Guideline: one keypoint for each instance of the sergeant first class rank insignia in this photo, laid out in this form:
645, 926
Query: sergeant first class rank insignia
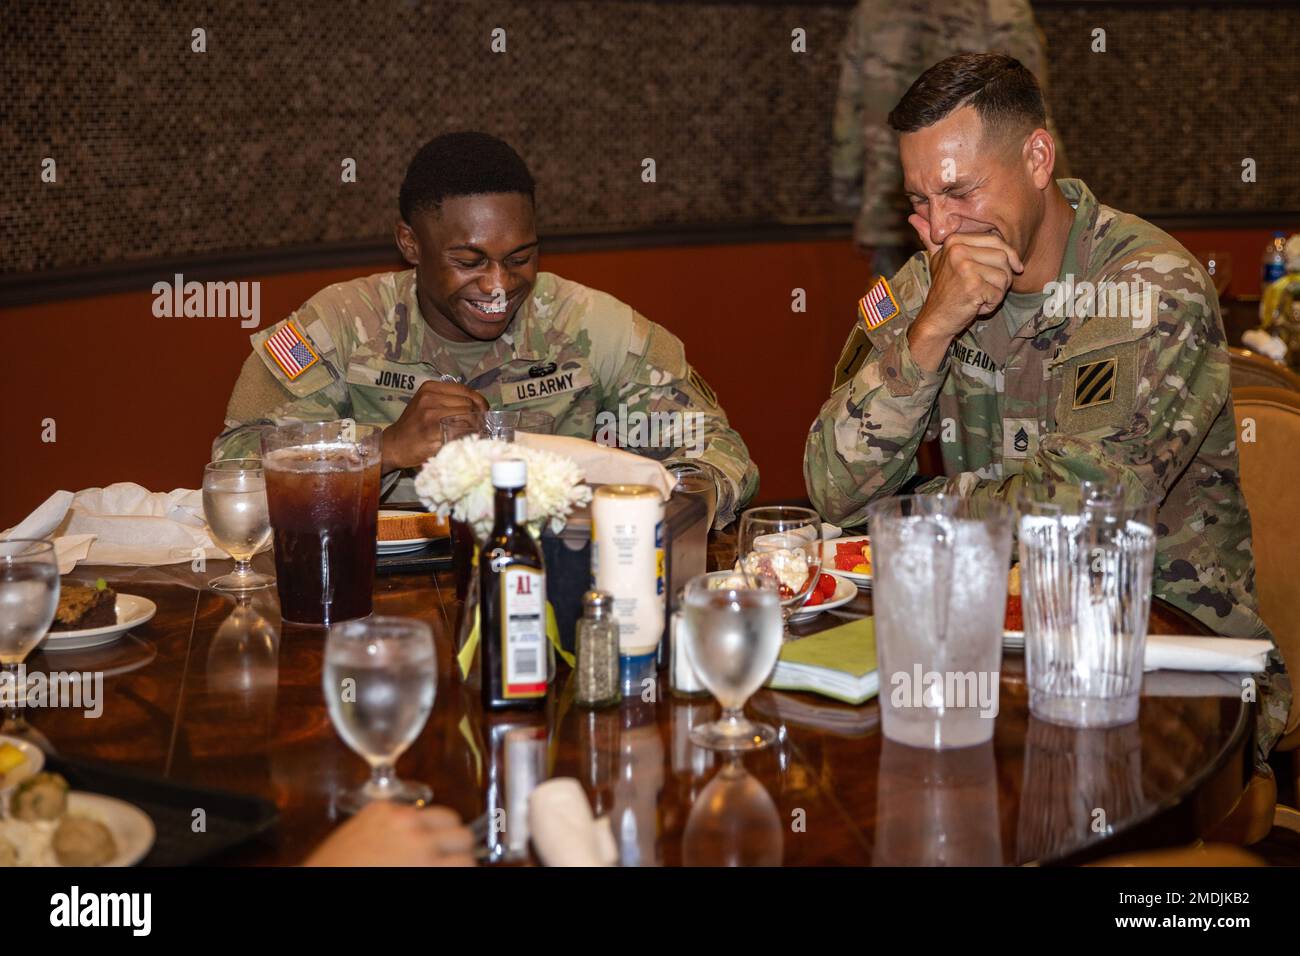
878, 306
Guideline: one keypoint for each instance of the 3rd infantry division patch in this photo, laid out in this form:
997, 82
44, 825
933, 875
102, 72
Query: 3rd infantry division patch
1094, 383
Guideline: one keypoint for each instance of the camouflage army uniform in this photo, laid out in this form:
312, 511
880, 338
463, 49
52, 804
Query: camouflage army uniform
889, 44
1016, 402
570, 351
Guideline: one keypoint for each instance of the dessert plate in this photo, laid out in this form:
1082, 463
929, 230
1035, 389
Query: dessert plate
132, 611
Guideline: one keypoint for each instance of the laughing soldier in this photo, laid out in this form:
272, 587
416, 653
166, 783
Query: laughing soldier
970, 342
473, 325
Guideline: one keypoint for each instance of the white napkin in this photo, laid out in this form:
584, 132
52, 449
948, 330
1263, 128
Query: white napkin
602, 465
68, 549
1222, 654
564, 833
123, 523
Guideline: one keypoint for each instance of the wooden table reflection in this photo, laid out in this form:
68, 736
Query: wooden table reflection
215, 693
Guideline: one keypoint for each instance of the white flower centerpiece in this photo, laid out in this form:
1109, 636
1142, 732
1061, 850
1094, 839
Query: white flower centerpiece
457, 483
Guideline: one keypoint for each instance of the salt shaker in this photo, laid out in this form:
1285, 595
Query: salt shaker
597, 657
682, 679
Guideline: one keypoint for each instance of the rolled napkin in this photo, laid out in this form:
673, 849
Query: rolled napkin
1220, 654
602, 465
122, 523
562, 827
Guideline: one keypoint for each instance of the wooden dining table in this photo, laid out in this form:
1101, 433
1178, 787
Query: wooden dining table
216, 693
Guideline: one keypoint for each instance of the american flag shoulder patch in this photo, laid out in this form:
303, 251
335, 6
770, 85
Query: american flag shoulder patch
878, 306
291, 350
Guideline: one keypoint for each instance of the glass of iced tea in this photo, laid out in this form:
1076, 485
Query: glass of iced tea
322, 490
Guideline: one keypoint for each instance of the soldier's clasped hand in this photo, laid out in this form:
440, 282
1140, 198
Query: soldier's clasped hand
971, 274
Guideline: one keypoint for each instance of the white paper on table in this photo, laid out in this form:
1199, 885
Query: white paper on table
1234, 655
562, 827
123, 523
602, 465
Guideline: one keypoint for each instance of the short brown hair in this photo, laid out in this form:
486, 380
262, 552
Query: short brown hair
1002, 90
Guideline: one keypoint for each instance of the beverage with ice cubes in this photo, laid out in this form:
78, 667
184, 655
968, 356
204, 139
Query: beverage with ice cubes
939, 596
322, 489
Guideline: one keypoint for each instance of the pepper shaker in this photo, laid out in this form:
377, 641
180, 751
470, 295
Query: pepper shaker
597, 652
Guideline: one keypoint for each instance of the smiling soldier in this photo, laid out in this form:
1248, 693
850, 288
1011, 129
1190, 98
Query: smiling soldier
473, 325
970, 342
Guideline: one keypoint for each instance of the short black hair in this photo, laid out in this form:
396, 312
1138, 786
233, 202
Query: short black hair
1003, 91
464, 163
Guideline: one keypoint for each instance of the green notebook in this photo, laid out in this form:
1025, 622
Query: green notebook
839, 663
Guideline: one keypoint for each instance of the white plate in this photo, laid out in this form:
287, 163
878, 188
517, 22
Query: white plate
402, 547
845, 591
1013, 639
131, 827
132, 611
828, 559
133, 831
35, 761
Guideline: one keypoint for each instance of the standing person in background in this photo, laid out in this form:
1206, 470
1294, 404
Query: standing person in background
889, 43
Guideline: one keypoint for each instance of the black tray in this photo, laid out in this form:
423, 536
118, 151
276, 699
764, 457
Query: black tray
232, 818
434, 556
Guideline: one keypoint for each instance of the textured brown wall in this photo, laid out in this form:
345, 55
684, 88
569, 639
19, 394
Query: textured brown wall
165, 152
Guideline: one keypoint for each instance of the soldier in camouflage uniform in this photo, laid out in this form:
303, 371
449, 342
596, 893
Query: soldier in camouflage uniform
888, 44
474, 326
1037, 381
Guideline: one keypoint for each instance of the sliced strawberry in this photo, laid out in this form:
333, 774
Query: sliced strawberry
849, 547
826, 586
846, 562
815, 597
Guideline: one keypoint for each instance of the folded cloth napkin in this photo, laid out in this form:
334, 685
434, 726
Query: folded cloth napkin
602, 465
1222, 654
123, 523
563, 831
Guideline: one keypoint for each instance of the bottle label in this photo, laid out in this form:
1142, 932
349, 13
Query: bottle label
523, 632
628, 561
